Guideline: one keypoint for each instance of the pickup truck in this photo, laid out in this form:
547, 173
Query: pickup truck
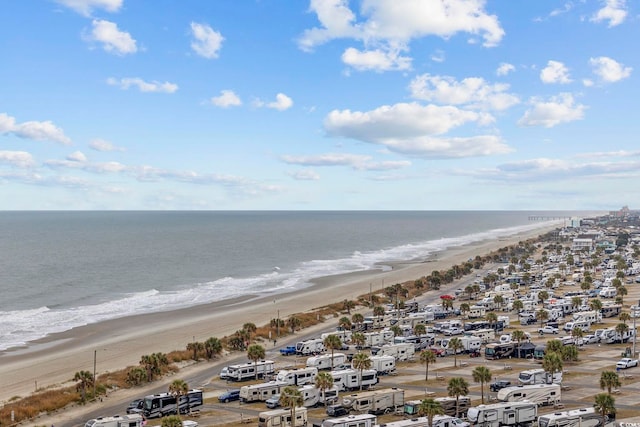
289, 350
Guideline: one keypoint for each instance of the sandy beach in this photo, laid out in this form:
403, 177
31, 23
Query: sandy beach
120, 343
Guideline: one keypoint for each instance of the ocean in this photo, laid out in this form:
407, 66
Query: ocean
60, 270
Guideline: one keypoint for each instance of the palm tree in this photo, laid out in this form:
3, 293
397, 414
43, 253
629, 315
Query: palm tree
344, 323
542, 315
85, 379
481, 374
552, 363
498, 300
294, 323
378, 311
455, 344
323, 382
419, 329
595, 304
554, 346
178, 388
518, 335
212, 347
625, 317
609, 380
464, 308
358, 339
250, 328
604, 404
196, 347
491, 317
430, 408
518, 305
291, 398
361, 361
348, 305
332, 342
621, 329
576, 333
457, 387
427, 357
172, 421
396, 330
357, 319
255, 352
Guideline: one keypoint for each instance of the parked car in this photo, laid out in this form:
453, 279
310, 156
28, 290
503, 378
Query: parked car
135, 406
274, 401
626, 362
548, 330
342, 367
590, 339
499, 385
337, 411
453, 331
224, 373
229, 395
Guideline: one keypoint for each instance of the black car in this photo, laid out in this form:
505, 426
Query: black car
499, 385
229, 395
135, 406
337, 411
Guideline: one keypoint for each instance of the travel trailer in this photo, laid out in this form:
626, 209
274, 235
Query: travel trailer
584, 417
299, 376
591, 316
326, 361
438, 421
448, 404
608, 292
401, 352
503, 414
611, 310
345, 336
131, 420
470, 344
383, 364
159, 405
312, 346
378, 338
261, 392
349, 379
282, 418
539, 376
485, 335
247, 371
476, 312
375, 402
540, 394
360, 420
582, 324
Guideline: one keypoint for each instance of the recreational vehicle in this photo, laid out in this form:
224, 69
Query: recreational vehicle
539, 376
383, 364
326, 361
503, 414
401, 352
247, 371
345, 336
375, 402
611, 310
131, 420
312, 346
448, 404
349, 379
261, 392
541, 394
591, 316
485, 335
499, 350
159, 405
584, 417
361, 420
282, 418
438, 421
299, 376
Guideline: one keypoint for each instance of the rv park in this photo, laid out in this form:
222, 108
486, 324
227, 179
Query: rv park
552, 280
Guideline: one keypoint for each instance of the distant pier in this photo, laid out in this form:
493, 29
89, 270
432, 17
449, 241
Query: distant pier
547, 218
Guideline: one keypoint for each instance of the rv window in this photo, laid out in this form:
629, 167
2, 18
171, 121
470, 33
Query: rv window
517, 394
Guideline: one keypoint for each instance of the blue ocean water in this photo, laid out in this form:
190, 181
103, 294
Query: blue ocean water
60, 270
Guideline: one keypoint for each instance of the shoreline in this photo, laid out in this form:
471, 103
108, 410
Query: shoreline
119, 343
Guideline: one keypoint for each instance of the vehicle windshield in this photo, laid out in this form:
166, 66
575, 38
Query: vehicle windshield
472, 415
524, 376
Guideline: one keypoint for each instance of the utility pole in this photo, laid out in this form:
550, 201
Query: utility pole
278, 325
95, 355
635, 314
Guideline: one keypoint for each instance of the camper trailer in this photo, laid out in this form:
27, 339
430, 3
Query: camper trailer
131, 420
282, 418
345, 336
485, 335
611, 310
476, 312
361, 420
383, 364
349, 379
326, 361
312, 346
539, 376
247, 371
261, 392
591, 316
438, 421
376, 402
503, 414
540, 394
401, 352
299, 376
584, 417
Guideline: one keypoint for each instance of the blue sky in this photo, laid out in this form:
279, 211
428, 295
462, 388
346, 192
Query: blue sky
320, 104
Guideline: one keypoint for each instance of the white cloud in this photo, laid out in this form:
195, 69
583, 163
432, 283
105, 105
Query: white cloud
113, 40
555, 72
557, 110
207, 42
410, 128
305, 175
105, 146
20, 159
438, 56
609, 70
587, 82
377, 60
504, 68
38, 131
474, 92
86, 7
355, 161
143, 86
77, 156
227, 98
613, 11
282, 102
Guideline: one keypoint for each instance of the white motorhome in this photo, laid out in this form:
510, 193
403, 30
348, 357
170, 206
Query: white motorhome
608, 292
506, 321
401, 352
260, 392
476, 312
349, 379
299, 376
540, 394
438, 421
470, 344
310, 395
282, 418
345, 336
611, 310
583, 325
377, 338
130, 420
485, 335
539, 376
247, 371
326, 361
312, 346
360, 420
383, 364
503, 414
583, 417
591, 316
376, 402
